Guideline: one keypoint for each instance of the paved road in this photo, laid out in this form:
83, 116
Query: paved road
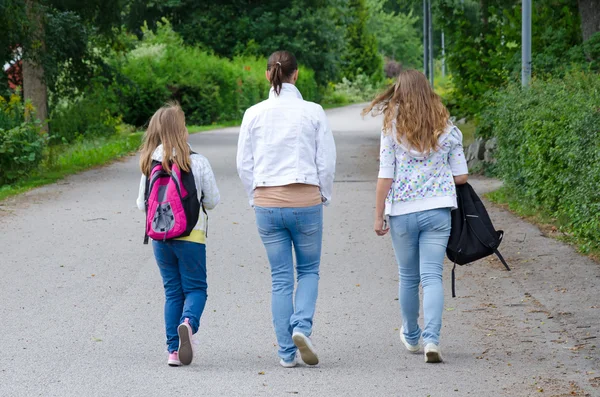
81, 298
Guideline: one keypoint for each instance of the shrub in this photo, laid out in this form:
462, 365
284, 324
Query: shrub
549, 148
359, 90
21, 142
392, 68
91, 115
209, 88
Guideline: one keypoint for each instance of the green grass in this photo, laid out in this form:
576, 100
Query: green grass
64, 160
549, 225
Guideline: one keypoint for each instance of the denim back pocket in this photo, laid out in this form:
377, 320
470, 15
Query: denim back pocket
264, 220
309, 220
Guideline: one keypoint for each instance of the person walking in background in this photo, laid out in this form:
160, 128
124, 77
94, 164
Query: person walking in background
286, 161
421, 160
167, 156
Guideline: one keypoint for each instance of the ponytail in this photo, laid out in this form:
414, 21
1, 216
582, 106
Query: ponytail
281, 66
276, 77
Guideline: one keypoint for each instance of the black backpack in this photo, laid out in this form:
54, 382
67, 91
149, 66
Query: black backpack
472, 236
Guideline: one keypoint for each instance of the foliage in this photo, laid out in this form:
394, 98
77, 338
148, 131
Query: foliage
549, 149
361, 55
397, 37
94, 113
483, 44
361, 89
61, 39
308, 28
211, 89
21, 141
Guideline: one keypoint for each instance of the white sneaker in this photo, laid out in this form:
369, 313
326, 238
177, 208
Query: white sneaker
433, 353
305, 346
288, 364
409, 347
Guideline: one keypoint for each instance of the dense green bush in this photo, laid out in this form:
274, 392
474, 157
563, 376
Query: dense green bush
361, 89
210, 89
549, 148
21, 142
93, 114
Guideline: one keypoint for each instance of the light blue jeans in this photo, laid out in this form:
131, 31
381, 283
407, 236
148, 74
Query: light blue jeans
280, 229
420, 241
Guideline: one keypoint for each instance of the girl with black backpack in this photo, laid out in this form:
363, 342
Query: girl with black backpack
421, 160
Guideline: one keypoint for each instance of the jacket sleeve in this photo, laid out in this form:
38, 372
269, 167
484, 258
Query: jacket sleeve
205, 182
456, 156
141, 193
325, 157
245, 157
387, 156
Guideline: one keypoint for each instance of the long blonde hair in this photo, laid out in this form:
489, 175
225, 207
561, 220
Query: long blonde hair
418, 112
166, 127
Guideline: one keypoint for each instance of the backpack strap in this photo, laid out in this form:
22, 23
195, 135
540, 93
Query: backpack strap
501, 259
484, 236
205, 213
454, 281
146, 194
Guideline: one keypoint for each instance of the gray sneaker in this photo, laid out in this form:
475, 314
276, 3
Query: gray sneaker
409, 347
306, 348
433, 354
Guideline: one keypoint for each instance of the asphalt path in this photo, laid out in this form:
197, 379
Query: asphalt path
81, 299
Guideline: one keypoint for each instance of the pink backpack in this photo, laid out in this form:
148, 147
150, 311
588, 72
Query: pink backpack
172, 205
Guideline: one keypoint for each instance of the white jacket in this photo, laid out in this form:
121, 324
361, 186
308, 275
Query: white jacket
285, 140
205, 184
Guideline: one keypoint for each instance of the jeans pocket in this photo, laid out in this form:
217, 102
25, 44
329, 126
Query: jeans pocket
439, 219
264, 220
310, 220
399, 224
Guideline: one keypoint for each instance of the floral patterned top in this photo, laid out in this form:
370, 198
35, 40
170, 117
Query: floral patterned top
422, 181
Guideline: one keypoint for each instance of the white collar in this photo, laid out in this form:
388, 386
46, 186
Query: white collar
287, 89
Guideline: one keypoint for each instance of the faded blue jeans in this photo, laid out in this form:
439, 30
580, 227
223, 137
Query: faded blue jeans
182, 266
420, 241
280, 229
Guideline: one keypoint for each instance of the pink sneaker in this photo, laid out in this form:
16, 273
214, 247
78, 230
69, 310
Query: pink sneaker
174, 360
186, 351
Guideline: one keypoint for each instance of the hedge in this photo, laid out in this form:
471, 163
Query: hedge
210, 89
549, 149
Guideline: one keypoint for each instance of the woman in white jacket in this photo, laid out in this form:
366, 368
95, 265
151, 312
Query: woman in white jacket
286, 161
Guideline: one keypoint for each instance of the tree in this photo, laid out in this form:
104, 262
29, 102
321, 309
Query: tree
311, 29
361, 55
56, 38
590, 17
483, 43
397, 36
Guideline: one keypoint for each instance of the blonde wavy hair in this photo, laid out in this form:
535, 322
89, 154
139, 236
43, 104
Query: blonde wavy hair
419, 115
166, 127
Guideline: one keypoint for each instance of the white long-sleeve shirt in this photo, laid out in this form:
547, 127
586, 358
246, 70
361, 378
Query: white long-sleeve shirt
422, 181
206, 185
285, 140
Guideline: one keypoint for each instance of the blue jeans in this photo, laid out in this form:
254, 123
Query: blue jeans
420, 241
279, 229
182, 266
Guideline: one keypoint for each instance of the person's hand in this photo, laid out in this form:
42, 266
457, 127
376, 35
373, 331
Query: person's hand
381, 227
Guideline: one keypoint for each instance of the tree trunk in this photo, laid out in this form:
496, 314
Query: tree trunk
34, 90
34, 83
589, 10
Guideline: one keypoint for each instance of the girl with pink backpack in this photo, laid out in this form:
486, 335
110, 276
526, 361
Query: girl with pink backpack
176, 187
